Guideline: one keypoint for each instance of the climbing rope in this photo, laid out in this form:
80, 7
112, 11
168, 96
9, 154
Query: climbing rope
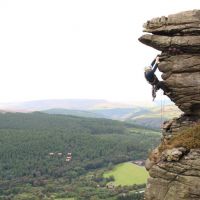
161, 113
162, 110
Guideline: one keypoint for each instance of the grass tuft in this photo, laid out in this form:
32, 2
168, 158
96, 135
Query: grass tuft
188, 138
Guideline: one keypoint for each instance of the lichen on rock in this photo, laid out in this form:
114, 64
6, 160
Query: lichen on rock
174, 166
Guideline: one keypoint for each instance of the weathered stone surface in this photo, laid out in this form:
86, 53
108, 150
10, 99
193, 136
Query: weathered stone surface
180, 63
175, 173
148, 164
172, 127
178, 37
173, 154
185, 44
176, 24
175, 180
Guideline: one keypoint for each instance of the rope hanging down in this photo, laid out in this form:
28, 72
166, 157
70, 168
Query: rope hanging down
162, 110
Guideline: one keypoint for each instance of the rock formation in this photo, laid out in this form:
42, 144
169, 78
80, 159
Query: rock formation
175, 169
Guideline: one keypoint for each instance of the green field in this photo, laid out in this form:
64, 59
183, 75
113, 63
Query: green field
128, 174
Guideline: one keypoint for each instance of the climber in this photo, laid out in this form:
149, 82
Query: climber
152, 78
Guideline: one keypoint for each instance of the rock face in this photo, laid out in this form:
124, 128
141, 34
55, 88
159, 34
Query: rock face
175, 180
175, 173
178, 37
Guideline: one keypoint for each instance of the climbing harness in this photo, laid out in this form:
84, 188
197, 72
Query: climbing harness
154, 88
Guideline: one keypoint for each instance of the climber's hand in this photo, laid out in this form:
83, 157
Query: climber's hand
157, 60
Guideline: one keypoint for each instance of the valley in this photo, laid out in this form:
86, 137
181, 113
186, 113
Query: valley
33, 154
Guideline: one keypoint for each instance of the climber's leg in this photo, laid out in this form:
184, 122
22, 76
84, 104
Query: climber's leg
153, 92
161, 85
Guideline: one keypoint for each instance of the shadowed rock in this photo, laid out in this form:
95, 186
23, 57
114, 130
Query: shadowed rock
186, 44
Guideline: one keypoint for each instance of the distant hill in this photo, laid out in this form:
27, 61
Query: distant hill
146, 115
122, 113
155, 117
109, 113
42, 121
79, 113
150, 117
80, 104
73, 104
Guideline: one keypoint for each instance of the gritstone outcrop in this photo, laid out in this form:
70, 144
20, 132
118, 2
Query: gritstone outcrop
174, 166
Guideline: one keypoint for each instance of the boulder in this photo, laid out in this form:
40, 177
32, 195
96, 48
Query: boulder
173, 154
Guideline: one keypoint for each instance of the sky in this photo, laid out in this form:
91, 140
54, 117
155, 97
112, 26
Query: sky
85, 49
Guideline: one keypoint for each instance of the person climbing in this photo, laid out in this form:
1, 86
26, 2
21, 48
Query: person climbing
152, 78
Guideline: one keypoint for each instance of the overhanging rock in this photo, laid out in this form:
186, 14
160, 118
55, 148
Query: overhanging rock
178, 37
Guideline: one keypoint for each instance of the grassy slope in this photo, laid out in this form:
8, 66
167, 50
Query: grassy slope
128, 174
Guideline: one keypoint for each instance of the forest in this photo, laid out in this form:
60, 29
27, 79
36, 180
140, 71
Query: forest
34, 147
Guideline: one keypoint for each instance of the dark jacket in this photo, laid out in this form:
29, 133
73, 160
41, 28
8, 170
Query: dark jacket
150, 75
